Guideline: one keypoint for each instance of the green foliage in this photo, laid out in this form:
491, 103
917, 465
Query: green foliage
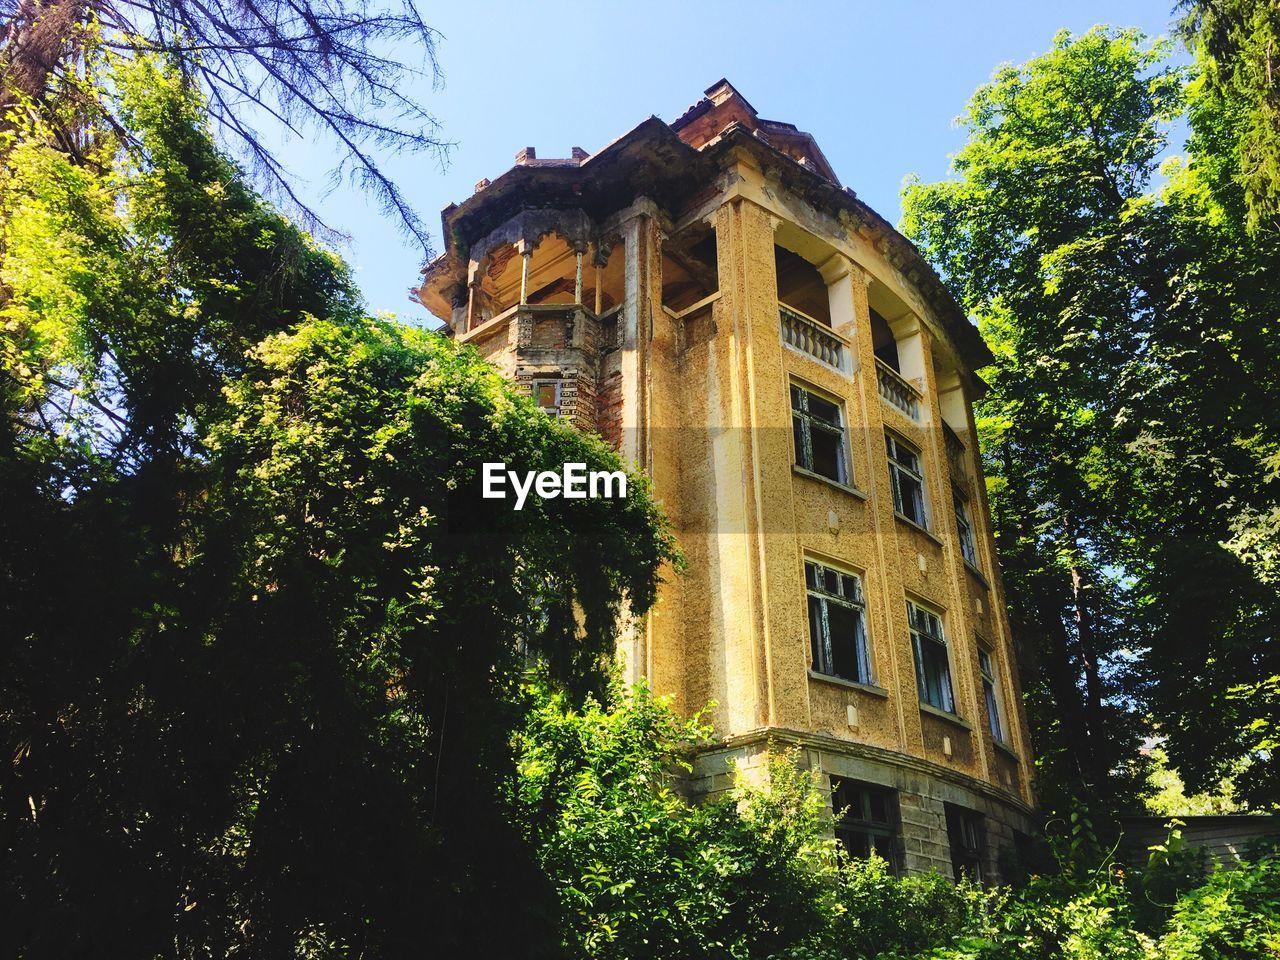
1235, 915
1237, 43
259, 636
1167, 796
879, 914
1127, 433
639, 871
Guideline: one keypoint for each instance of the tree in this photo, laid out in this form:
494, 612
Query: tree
1125, 431
1237, 44
260, 639
1032, 237
294, 65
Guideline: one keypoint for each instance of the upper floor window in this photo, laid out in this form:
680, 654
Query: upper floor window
546, 394
837, 623
988, 671
965, 528
866, 819
907, 479
933, 669
819, 433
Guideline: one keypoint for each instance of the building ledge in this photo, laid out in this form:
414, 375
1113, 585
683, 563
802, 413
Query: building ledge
852, 491
918, 528
1008, 751
977, 575
870, 688
787, 736
946, 715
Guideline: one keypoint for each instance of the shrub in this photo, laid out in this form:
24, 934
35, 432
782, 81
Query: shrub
1234, 915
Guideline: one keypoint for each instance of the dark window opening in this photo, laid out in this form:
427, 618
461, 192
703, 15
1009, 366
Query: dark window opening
818, 434
967, 837
933, 670
965, 528
837, 623
883, 342
800, 285
866, 820
907, 478
690, 268
988, 671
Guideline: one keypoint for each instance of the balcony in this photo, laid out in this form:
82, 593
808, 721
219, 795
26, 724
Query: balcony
809, 336
899, 392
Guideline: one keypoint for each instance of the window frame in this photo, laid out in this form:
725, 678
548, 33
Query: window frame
988, 674
967, 841
883, 837
964, 528
916, 612
806, 421
821, 647
898, 468
558, 384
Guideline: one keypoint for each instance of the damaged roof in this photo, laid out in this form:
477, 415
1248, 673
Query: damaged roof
671, 164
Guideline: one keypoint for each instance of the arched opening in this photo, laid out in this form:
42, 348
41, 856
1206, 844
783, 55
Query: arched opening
800, 285
883, 341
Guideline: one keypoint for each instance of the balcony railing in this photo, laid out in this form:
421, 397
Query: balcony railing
900, 392
809, 336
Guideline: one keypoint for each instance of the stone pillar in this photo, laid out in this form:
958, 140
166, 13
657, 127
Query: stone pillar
525, 249
578, 249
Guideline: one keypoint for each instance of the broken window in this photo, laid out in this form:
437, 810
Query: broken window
967, 836
819, 435
837, 623
965, 528
907, 479
866, 819
933, 669
988, 671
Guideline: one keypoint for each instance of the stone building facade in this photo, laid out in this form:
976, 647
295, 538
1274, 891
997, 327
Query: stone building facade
798, 384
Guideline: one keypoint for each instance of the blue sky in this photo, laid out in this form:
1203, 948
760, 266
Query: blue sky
878, 84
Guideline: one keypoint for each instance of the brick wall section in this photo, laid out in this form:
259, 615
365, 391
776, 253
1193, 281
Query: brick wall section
609, 409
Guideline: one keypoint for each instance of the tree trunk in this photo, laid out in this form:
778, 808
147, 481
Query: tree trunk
1086, 640
37, 38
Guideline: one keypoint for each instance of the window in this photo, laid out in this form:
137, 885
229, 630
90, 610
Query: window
967, 837
907, 480
818, 429
867, 819
837, 623
933, 673
965, 529
988, 671
546, 394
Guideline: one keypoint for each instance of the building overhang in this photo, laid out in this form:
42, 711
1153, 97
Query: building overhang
653, 160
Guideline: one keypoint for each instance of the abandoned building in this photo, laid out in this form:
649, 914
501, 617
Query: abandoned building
798, 383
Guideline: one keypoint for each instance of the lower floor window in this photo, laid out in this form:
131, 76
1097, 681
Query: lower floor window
967, 837
546, 394
866, 819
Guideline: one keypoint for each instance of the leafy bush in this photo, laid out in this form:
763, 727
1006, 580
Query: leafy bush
1234, 915
639, 871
